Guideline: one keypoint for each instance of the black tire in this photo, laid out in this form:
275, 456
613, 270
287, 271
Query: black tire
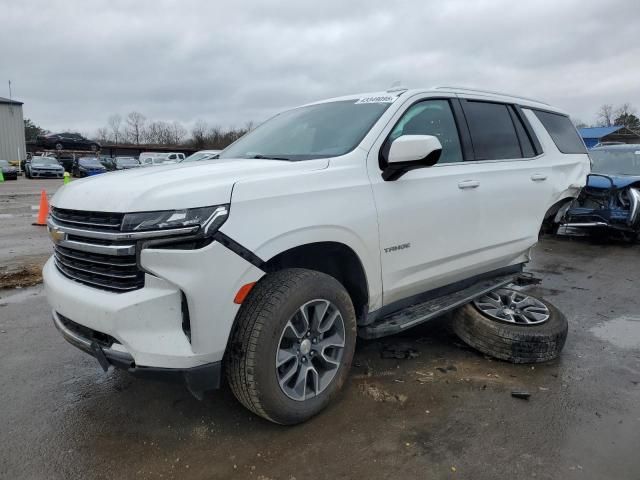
59, 146
510, 342
250, 362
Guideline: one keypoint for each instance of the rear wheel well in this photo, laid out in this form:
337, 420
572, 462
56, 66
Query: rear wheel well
332, 258
548, 222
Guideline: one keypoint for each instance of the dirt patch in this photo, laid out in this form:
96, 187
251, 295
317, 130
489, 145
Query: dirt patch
381, 395
22, 274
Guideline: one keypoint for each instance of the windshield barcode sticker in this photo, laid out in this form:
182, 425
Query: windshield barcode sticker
379, 99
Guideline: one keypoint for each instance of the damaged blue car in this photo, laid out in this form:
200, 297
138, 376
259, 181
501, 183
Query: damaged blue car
610, 201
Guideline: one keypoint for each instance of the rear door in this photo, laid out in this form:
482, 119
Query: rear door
509, 167
477, 210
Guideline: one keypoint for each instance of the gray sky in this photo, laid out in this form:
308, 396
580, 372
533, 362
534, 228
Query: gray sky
74, 63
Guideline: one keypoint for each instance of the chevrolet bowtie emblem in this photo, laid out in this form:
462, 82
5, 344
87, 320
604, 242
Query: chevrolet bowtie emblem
56, 235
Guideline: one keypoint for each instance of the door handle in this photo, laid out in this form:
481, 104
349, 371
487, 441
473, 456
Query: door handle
538, 177
468, 184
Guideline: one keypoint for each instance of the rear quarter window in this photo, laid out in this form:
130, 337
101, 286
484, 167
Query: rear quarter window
562, 131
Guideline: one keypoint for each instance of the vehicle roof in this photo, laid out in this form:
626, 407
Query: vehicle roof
626, 146
208, 151
476, 93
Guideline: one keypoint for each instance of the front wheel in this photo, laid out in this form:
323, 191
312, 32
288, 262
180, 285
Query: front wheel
292, 345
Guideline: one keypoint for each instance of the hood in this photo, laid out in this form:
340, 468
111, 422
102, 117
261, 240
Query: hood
169, 187
600, 180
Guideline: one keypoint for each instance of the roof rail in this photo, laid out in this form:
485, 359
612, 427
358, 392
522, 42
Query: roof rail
491, 92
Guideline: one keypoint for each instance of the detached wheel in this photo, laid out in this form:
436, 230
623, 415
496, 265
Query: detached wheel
292, 345
512, 326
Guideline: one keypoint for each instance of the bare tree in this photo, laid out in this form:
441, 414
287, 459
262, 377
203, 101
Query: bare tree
178, 132
605, 115
199, 134
115, 124
579, 123
102, 135
626, 116
135, 126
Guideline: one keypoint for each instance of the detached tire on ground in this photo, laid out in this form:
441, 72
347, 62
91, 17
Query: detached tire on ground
511, 326
292, 345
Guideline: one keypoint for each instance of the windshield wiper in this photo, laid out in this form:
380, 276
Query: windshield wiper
268, 157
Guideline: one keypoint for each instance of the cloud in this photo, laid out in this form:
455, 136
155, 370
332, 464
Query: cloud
74, 63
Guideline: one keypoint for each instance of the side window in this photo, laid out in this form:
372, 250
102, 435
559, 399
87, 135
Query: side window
431, 117
562, 131
492, 131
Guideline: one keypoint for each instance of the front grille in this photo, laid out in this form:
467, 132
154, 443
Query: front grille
93, 261
106, 272
88, 220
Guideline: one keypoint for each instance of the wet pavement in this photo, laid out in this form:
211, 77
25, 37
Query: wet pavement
445, 413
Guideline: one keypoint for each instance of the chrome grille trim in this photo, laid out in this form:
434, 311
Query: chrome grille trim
114, 250
58, 251
93, 283
60, 220
118, 276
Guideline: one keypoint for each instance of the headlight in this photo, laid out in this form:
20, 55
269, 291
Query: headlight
210, 219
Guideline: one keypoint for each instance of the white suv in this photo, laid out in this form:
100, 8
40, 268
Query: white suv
360, 215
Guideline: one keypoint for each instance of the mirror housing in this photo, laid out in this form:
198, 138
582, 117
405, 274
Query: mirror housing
409, 152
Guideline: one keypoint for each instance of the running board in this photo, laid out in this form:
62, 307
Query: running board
416, 314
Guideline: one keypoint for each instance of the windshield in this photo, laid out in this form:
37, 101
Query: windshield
200, 156
616, 161
127, 161
89, 162
4, 163
44, 161
317, 131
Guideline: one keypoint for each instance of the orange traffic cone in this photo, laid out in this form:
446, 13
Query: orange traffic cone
43, 213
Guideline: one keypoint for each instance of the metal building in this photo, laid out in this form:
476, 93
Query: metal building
12, 144
619, 134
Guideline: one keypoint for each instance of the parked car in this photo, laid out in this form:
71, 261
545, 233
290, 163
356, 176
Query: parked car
8, 172
611, 199
86, 166
67, 140
43, 167
358, 216
202, 155
166, 157
125, 163
158, 159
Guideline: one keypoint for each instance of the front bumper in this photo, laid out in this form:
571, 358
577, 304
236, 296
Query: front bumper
47, 174
198, 379
147, 323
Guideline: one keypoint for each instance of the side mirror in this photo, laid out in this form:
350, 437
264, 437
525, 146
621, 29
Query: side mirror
409, 152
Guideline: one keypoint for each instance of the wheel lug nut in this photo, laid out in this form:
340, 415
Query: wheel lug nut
308, 334
304, 359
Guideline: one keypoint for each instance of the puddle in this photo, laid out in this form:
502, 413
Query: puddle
623, 332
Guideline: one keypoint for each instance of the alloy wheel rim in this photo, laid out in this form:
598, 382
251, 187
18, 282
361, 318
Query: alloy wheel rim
511, 306
310, 350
